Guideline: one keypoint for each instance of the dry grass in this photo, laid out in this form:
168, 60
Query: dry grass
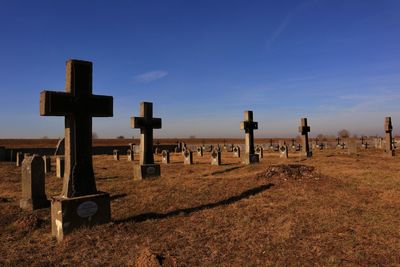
333, 210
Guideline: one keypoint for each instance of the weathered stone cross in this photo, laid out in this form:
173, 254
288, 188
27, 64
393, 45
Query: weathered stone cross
146, 123
78, 105
388, 137
248, 125
304, 129
80, 204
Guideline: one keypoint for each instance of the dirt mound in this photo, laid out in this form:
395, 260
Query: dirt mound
291, 172
147, 258
28, 222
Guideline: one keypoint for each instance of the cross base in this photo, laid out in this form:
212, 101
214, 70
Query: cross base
251, 159
146, 171
68, 214
34, 203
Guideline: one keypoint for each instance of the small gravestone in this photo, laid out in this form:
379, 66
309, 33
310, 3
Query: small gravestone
165, 157
19, 159
216, 157
284, 151
130, 155
33, 184
200, 151
176, 149
60, 166
389, 148
248, 125
352, 147
304, 129
157, 151
187, 157
236, 152
365, 145
259, 151
116, 154
47, 164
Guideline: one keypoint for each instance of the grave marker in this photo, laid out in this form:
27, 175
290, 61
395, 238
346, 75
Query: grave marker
248, 125
33, 184
80, 204
116, 154
146, 123
236, 152
259, 151
389, 149
200, 151
216, 157
187, 157
130, 154
47, 164
304, 129
165, 157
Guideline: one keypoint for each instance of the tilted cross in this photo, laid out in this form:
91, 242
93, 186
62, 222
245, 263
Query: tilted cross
248, 125
78, 105
146, 123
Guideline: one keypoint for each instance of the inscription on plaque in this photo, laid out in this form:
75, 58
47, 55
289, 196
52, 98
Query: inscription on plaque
87, 209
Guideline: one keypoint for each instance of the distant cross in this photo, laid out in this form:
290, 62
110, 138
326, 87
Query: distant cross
338, 140
388, 135
78, 105
248, 125
304, 129
146, 123
362, 140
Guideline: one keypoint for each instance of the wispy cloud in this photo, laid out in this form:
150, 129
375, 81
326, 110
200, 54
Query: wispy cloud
286, 21
150, 76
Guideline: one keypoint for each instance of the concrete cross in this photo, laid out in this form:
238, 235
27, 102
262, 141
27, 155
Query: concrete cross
304, 129
146, 123
388, 137
248, 125
78, 105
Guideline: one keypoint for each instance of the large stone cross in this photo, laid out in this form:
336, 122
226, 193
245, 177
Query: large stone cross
304, 129
248, 125
78, 105
146, 123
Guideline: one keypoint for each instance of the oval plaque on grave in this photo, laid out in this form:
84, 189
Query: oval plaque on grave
87, 209
150, 170
186, 154
214, 154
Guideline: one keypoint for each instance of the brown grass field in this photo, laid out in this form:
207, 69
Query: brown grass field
330, 210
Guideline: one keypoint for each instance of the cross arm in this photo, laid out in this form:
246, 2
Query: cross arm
61, 103
140, 122
244, 125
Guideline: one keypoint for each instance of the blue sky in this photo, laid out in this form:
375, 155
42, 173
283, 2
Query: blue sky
203, 63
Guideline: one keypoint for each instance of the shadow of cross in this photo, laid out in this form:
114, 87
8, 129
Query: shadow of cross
78, 105
304, 129
146, 123
248, 125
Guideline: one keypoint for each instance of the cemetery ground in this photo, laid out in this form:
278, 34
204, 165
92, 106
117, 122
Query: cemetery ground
332, 209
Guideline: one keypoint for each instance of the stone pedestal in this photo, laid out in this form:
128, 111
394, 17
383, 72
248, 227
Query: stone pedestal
68, 214
60, 165
146, 171
33, 184
251, 159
